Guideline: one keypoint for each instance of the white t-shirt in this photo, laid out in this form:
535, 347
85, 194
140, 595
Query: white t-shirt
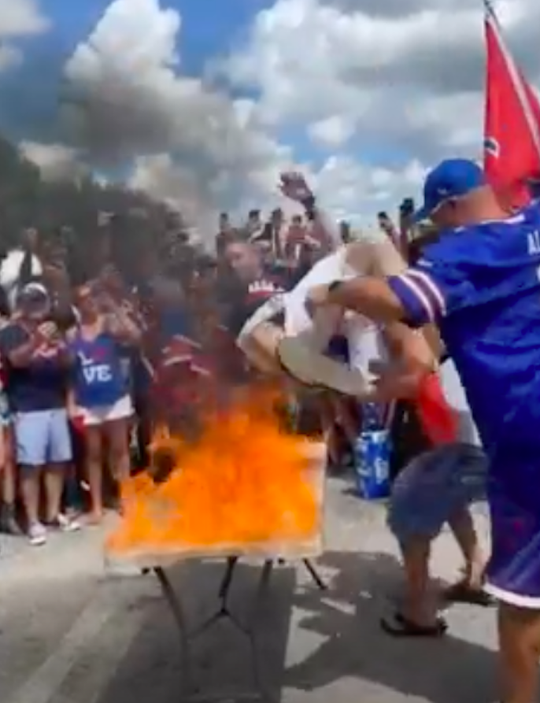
455, 397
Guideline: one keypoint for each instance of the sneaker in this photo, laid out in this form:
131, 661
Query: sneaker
65, 523
37, 534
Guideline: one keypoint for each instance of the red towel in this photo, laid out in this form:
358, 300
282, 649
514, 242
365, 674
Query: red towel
438, 420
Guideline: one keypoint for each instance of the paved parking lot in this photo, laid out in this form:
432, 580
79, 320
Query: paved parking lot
73, 632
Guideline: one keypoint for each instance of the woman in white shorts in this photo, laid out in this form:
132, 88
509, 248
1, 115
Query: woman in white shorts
100, 398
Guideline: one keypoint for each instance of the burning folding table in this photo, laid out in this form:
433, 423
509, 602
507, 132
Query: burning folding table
246, 490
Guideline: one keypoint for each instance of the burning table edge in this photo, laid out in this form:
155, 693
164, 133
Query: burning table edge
282, 547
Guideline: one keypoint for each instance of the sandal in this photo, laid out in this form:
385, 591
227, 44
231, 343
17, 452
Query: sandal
400, 626
461, 592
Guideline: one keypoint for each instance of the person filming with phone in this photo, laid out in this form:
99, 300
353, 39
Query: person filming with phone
38, 370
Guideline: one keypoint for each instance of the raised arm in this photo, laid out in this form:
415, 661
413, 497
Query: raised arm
322, 232
120, 324
18, 347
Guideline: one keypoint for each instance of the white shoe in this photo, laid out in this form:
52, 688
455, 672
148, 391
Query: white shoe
66, 524
37, 534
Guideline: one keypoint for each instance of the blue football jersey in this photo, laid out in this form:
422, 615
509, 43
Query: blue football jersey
481, 286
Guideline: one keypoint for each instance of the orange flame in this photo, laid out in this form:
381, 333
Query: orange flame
243, 482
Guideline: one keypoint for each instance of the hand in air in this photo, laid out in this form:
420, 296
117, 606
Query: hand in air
293, 185
49, 331
106, 303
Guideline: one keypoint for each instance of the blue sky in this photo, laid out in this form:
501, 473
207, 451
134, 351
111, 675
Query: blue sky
28, 93
353, 92
210, 29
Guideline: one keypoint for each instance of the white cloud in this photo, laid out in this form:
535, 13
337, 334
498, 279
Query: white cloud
127, 98
18, 18
356, 191
333, 131
403, 78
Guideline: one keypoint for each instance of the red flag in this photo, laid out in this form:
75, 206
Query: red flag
512, 120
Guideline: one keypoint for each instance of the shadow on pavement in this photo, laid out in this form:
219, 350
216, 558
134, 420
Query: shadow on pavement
354, 646
221, 656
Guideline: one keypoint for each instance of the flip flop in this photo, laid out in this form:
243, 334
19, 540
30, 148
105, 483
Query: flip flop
400, 626
461, 592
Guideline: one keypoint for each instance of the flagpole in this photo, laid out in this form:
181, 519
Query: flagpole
490, 9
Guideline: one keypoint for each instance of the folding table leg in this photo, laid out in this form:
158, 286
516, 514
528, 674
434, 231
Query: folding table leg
317, 579
175, 603
257, 611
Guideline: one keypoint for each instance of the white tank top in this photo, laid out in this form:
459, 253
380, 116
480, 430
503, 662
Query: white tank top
455, 397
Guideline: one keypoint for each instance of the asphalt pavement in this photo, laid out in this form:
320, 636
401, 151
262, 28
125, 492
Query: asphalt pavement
73, 630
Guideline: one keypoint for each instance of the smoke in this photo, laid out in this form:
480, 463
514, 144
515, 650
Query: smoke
126, 101
56, 161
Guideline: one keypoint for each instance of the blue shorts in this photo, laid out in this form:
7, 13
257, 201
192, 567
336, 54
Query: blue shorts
42, 437
433, 487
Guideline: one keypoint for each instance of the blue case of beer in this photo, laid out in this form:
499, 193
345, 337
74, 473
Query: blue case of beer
372, 464
372, 456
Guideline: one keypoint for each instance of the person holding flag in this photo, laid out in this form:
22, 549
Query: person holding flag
480, 284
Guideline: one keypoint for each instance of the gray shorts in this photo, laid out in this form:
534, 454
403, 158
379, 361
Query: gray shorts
433, 487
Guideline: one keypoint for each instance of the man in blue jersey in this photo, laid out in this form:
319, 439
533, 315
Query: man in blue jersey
480, 284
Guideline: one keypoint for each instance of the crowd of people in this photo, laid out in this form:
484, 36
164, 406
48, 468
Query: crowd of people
94, 359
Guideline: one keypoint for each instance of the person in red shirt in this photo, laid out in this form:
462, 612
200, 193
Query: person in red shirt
256, 283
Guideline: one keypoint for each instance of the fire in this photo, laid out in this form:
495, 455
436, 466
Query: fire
243, 482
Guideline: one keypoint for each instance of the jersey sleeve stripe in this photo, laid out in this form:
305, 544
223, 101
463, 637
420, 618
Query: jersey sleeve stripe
419, 294
430, 285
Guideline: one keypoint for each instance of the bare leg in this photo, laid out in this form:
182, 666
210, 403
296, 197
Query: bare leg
419, 606
6, 471
9, 483
54, 486
348, 421
519, 651
31, 478
118, 448
94, 470
462, 526
329, 435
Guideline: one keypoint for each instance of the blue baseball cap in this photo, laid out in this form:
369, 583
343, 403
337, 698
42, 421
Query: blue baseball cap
452, 178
